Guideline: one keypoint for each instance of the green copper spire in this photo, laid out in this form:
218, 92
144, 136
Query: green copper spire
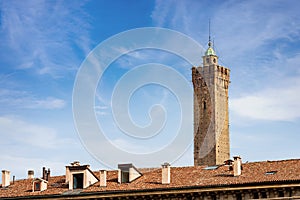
210, 51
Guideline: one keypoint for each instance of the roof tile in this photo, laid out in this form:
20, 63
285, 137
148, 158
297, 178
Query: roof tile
287, 170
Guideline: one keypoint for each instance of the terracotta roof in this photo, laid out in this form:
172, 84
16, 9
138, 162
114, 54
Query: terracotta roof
181, 177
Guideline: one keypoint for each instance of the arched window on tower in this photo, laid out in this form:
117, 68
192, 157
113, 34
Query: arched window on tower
204, 105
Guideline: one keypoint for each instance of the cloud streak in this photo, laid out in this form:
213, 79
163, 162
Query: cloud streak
22, 99
43, 36
280, 104
17, 131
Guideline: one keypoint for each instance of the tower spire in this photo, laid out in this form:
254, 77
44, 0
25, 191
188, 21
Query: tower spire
209, 39
210, 50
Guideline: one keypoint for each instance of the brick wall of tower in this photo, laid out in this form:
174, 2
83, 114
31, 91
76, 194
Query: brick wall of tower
204, 151
211, 130
222, 115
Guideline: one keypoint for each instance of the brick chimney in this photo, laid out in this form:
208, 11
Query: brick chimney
165, 173
102, 178
30, 174
5, 178
237, 166
45, 174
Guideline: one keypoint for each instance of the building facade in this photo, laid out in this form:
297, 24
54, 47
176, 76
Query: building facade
211, 123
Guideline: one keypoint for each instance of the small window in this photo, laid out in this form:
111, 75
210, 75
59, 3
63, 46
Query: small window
211, 167
270, 172
37, 186
78, 181
204, 105
214, 60
213, 197
280, 193
207, 60
125, 177
263, 194
255, 195
239, 196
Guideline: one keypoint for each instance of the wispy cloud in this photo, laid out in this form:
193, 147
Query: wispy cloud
102, 110
252, 23
280, 104
43, 35
49, 103
176, 14
22, 99
17, 131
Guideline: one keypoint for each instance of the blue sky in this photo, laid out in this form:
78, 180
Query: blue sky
43, 44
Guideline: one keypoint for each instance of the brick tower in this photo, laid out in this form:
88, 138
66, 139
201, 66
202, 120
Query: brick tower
211, 127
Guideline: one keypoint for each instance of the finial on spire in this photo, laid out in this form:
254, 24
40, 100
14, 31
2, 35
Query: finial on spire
210, 50
209, 40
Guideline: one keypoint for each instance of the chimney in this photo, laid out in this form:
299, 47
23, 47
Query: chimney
102, 178
75, 163
67, 174
119, 176
44, 173
48, 174
229, 164
5, 178
30, 174
165, 174
237, 166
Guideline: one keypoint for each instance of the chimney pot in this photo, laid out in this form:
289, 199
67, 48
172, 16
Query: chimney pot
237, 166
75, 163
30, 174
165, 173
5, 178
44, 173
102, 178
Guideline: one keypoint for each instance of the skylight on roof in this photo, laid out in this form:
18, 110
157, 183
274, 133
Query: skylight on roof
211, 167
270, 172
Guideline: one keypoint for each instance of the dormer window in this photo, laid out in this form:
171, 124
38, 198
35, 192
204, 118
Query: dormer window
125, 176
128, 173
78, 181
80, 176
39, 184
